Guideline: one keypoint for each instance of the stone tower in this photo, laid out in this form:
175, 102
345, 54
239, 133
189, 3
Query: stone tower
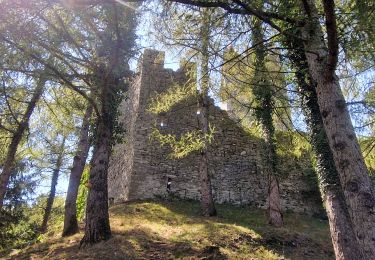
140, 168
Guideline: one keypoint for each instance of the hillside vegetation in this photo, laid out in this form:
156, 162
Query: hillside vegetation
175, 230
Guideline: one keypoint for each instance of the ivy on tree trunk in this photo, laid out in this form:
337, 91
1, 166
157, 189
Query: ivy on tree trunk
263, 93
97, 226
354, 178
344, 241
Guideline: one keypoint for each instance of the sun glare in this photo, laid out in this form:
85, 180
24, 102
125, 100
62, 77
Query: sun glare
125, 4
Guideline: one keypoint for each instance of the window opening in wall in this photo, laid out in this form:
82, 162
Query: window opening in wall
162, 120
169, 183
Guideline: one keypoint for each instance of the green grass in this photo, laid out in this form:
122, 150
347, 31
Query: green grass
175, 230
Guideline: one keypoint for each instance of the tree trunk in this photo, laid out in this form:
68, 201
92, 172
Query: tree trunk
345, 244
52, 193
70, 215
274, 208
353, 174
269, 159
207, 202
97, 226
263, 93
16, 139
344, 241
111, 68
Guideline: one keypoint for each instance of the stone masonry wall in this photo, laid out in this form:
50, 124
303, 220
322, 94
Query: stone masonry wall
140, 167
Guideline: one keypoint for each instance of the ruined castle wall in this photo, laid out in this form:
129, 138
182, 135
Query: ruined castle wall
122, 158
139, 168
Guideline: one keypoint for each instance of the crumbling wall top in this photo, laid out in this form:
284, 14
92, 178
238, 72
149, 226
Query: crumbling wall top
152, 58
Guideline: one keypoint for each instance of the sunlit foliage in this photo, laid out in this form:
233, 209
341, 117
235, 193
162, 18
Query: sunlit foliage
188, 142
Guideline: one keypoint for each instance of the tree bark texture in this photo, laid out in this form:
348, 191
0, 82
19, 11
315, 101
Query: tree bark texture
207, 202
52, 193
344, 241
97, 226
263, 93
16, 139
79, 161
112, 66
347, 155
274, 207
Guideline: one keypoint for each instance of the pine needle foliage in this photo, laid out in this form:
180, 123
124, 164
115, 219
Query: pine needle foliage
163, 102
83, 191
187, 143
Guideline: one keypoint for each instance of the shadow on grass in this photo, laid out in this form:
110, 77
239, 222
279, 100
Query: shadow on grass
137, 243
146, 244
175, 230
302, 237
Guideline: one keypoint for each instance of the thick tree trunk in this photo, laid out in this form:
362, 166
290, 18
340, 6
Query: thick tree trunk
52, 193
111, 68
344, 241
70, 214
207, 202
353, 174
345, 244
97, 226
16, 139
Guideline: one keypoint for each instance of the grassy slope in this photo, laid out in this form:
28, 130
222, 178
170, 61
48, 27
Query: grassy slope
174, 230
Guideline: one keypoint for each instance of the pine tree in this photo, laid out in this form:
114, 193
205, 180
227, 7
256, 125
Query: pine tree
344, 241
263, 95
79, 162
113, 55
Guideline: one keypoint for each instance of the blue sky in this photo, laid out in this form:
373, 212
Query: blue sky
172, 60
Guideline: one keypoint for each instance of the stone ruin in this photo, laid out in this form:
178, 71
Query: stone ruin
140, 168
